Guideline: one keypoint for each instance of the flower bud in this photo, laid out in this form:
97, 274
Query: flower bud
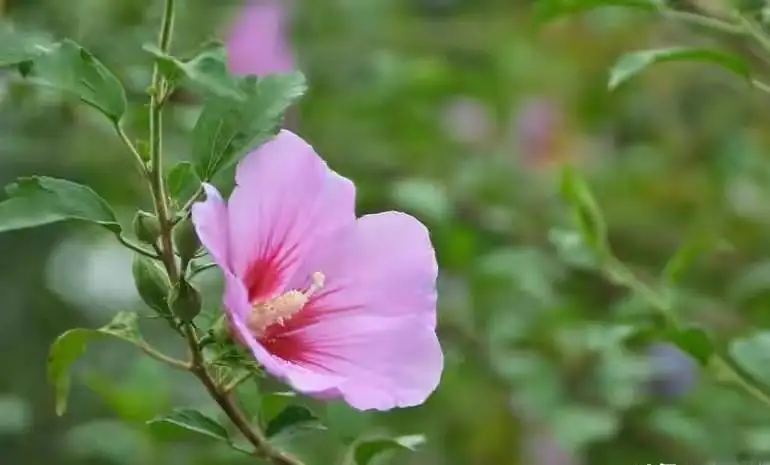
185, 301
186, 240
675, 373
146, 227
152, 284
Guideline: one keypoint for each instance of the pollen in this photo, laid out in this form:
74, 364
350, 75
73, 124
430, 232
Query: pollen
280, 309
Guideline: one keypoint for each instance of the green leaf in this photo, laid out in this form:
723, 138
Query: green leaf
571, 248
183, 182
206, 71
72, 344
587, 213
16, 47
366, 451
293, 417
38, 200
70, 68
345, 421
549, 10
189, 420
696, 342
227, 129
752, 353
686, 256
633, 63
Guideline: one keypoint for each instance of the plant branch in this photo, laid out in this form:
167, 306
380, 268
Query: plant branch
721, 366
135, 247
131, 147
163, 358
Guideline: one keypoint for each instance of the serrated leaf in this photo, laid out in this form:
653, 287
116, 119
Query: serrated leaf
227, 129
292, 417
549, 10
72, 344
38, 200
70, 68
184, 420
588, 215
206, 71
633, 63
16, 47
182, 182
366, 451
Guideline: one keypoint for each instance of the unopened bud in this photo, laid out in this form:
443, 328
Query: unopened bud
146, 227
152, 284
185, 301
186, 240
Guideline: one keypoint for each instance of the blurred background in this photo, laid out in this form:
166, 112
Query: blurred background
460, 112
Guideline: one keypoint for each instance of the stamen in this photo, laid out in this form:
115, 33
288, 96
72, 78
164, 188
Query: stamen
283, 307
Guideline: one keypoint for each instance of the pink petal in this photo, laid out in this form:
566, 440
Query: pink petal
380, 362
386, 266
258, 43
211, 224
286, 201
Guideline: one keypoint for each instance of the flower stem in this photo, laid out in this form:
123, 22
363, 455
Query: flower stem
197, 365
163, 358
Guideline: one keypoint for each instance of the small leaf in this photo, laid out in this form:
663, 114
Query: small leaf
571, 248
588, 215
16, 47
366, 451
182, 420
227, 129
72, 344
293, 417
685, 258
182, 182
207, 71
549, 10
633, 63
70, 68
752, 353
37, 201
696, 342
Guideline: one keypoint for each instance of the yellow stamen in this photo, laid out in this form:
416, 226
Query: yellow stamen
283, 307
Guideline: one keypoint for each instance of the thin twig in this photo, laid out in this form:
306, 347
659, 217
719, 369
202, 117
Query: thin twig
131, 147
163, 358
135, 247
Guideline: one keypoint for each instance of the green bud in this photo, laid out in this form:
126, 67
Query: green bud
221, 329
146, 227
152, 284
185, 301
186, 240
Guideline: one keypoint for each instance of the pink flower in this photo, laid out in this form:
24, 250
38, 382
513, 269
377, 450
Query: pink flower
336, 306
257, 43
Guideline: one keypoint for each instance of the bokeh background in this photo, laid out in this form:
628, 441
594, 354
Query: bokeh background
460, 112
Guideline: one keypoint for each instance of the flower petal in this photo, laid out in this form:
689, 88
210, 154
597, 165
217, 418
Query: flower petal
386, 266
211, 224
380, 362
258, 42
285, 200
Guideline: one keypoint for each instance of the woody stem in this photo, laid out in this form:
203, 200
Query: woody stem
197, 366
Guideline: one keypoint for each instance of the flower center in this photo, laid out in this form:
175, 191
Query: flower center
280, 309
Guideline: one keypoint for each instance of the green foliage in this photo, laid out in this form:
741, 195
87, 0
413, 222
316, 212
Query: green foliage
182, 182
70, 68
185, 301
72, 344
633, 63
292, 418
587, 213
366, 451
227, 129
184, 421
207, 71
38, 200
